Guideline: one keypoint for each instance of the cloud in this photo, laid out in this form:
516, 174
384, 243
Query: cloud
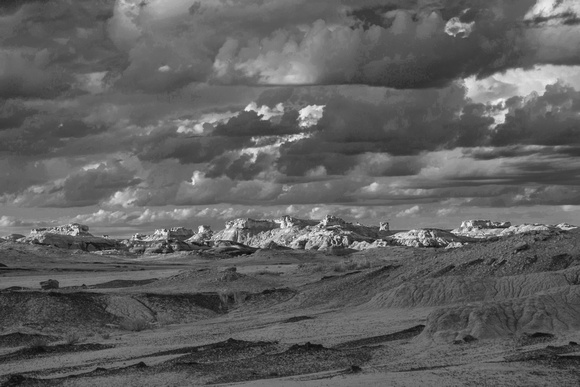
296, 42
83, 188
409, 212
529, 118
164, 46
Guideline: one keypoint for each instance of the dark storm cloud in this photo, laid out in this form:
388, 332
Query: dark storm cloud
550, 119
45, 45
400, 124
89, 187
243, 167
86, 187
236, 134
42, 134
401, 44
514, 151
17, 173
13, 114
250, 123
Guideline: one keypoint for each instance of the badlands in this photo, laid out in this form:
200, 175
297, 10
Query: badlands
291, 302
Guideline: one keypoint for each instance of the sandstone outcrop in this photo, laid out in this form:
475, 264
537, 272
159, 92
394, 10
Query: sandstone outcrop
170, 240
486, 229
232, 248
484, 224
49, 284
481, 229
72, 229
70, 236
203, 236
300, 234
175, 233
430, 237
13, 237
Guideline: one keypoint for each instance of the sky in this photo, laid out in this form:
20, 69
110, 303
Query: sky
133, 115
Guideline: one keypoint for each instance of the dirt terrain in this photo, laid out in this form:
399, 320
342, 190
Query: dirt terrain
502, 313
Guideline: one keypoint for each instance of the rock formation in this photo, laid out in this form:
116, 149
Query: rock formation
177, 233
166, 241
13, 237
484, 224
484, 229
49, 284
203, 236
70, 236
72, 229
481, 229
428, 238
300, 234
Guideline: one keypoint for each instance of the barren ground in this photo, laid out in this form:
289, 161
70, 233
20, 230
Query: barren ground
504, 313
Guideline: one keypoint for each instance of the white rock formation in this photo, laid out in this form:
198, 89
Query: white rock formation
300, 234
484, 224
427, 238
203, 236
73, 229
566, 227
481, 229
70, 236
177, 233
535, 228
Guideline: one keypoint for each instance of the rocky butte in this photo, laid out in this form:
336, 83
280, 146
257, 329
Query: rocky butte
70, 236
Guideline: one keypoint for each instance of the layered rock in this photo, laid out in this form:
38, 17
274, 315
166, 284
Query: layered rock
14, 237
240, 230
481, 229
299, 234
175, 233
430, 237
203, 236
232, 248
166, 241
72, 229
71, 236
485, 229
484, 224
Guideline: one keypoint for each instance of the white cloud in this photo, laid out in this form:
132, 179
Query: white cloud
455, 28
310, 115
266, 112
413, 211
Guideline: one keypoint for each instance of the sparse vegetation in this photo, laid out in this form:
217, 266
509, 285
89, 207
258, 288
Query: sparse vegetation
352, 264
268, 272
232, 297
72, 338
134, 324
164, 319
311, 267
38, 343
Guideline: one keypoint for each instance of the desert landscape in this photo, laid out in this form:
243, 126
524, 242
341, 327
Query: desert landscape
289, 193
292, 302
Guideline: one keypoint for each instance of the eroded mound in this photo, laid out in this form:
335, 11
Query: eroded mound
552, 312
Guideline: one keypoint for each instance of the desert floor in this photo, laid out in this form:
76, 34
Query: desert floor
504, 313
